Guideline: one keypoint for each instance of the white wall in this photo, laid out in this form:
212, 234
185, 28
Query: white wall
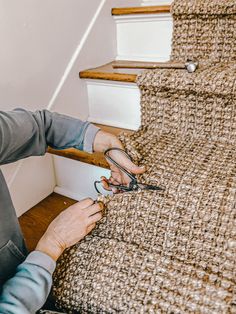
44, 44
38, 39
29, 181
99, 47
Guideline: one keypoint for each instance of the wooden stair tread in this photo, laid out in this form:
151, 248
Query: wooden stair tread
36, 220
111, 73
107, 72
141, 10
96, 159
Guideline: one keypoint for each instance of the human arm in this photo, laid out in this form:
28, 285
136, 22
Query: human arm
24, 133
27, 291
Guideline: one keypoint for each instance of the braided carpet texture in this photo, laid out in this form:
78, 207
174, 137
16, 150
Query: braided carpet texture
204, 30
175, 251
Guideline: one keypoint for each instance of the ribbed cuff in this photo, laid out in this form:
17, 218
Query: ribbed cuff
42, 260
89, 137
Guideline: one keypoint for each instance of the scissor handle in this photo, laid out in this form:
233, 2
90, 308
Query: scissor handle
119, 187
130, 175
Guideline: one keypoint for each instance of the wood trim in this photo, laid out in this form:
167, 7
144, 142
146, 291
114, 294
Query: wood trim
149, 65
121, 77
123, 71
142, 10
96, 159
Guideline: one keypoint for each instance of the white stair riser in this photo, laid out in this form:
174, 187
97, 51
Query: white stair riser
76, 179
144, 37
114, 103
156, 2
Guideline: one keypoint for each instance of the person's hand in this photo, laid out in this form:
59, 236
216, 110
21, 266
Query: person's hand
102, 142
68, 228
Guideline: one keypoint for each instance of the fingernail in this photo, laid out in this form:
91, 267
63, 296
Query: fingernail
101, 205
114, 190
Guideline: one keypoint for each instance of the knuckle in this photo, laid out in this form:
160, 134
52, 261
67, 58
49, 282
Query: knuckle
97, 206
99, 216
87, 199
89, 202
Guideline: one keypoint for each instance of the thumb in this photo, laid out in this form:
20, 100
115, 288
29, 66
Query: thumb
130, 166
136, 169
90, 228
127, 163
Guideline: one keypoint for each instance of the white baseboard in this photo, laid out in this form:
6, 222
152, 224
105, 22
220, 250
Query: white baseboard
68, 193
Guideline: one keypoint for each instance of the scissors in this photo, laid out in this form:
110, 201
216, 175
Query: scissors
134, 185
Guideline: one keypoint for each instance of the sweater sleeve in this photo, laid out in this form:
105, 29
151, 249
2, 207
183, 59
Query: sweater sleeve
28, 290
24, 133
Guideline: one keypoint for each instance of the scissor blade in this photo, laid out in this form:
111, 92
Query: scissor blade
150, 187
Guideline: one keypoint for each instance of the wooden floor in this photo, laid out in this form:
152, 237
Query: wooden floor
35, 221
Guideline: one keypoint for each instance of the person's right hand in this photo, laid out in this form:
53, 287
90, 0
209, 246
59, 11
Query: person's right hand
68, 228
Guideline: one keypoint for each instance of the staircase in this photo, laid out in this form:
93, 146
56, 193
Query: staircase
143, 38
111, 90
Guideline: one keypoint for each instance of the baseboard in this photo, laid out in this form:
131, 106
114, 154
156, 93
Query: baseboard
70, 194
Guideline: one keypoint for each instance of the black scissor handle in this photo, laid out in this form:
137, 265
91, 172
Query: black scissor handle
130, 175
133, 185
119, 187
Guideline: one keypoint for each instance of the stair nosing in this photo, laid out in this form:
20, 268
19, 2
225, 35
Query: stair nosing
120, 77
108, 71
141, 10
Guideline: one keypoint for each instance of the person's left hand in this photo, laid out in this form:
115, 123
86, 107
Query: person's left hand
103, 141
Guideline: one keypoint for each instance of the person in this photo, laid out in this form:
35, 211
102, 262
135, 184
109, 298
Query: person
26, 279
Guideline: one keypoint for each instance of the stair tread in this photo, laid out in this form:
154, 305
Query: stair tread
36, 220
108, 72
141, 10
96, 159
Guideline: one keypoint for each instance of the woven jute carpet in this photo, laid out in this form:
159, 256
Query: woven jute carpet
175, 251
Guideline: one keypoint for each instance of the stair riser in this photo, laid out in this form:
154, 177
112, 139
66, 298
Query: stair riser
144, 37
155, 2
114, 103
76, 179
